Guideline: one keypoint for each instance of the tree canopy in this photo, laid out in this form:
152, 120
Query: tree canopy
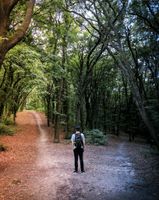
93, 63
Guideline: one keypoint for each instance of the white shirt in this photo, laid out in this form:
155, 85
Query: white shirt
73, 139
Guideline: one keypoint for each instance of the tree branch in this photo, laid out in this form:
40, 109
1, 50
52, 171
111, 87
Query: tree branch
19, 34
146, 21
12, 5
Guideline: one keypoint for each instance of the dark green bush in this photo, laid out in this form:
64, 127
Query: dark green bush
6, 130
96, 137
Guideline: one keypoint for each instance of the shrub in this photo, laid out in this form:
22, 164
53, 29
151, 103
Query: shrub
96, 137
6, 130
7, 121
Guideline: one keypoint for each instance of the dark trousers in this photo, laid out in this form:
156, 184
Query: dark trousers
78, 152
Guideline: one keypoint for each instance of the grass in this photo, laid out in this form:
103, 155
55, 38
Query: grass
7, 121
6, 130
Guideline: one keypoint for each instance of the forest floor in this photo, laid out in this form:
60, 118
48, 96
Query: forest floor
35, 168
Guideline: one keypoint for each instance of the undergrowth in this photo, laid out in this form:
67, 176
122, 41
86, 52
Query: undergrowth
6, 130
7, 121
96, 137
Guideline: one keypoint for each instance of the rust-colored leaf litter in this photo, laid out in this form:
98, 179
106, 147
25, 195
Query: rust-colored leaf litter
35, 168
17, 162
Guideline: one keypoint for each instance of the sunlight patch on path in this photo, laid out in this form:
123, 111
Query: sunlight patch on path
51, 175
45, 158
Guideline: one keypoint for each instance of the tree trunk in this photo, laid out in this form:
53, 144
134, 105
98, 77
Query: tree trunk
48, 110
8, 42
56, 133
139, 101
89, 117
138, 98
58, 112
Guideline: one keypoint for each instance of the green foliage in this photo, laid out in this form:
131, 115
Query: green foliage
96, 137
22, 71
6, 130
7, 121
34, 101
2, 147
64, 65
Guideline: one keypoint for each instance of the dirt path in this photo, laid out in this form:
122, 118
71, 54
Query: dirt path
34, 168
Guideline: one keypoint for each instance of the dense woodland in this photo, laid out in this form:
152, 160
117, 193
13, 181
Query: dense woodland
88, 62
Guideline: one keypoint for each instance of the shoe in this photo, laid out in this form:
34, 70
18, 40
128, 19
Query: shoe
75, 171
82, 171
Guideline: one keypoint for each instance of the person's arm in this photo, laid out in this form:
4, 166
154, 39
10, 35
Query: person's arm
83, 138
73, 140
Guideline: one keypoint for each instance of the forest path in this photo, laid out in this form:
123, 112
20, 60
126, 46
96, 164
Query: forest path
35, 168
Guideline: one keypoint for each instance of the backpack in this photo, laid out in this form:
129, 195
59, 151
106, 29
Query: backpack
78, 140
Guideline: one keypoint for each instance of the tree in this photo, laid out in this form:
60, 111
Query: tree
10, 33
110, 21
18, 77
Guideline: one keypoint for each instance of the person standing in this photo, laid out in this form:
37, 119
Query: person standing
78, 143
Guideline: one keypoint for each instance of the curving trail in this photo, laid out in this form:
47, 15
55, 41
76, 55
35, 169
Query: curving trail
35, 168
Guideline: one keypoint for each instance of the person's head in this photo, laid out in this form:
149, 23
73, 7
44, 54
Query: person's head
77, 127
